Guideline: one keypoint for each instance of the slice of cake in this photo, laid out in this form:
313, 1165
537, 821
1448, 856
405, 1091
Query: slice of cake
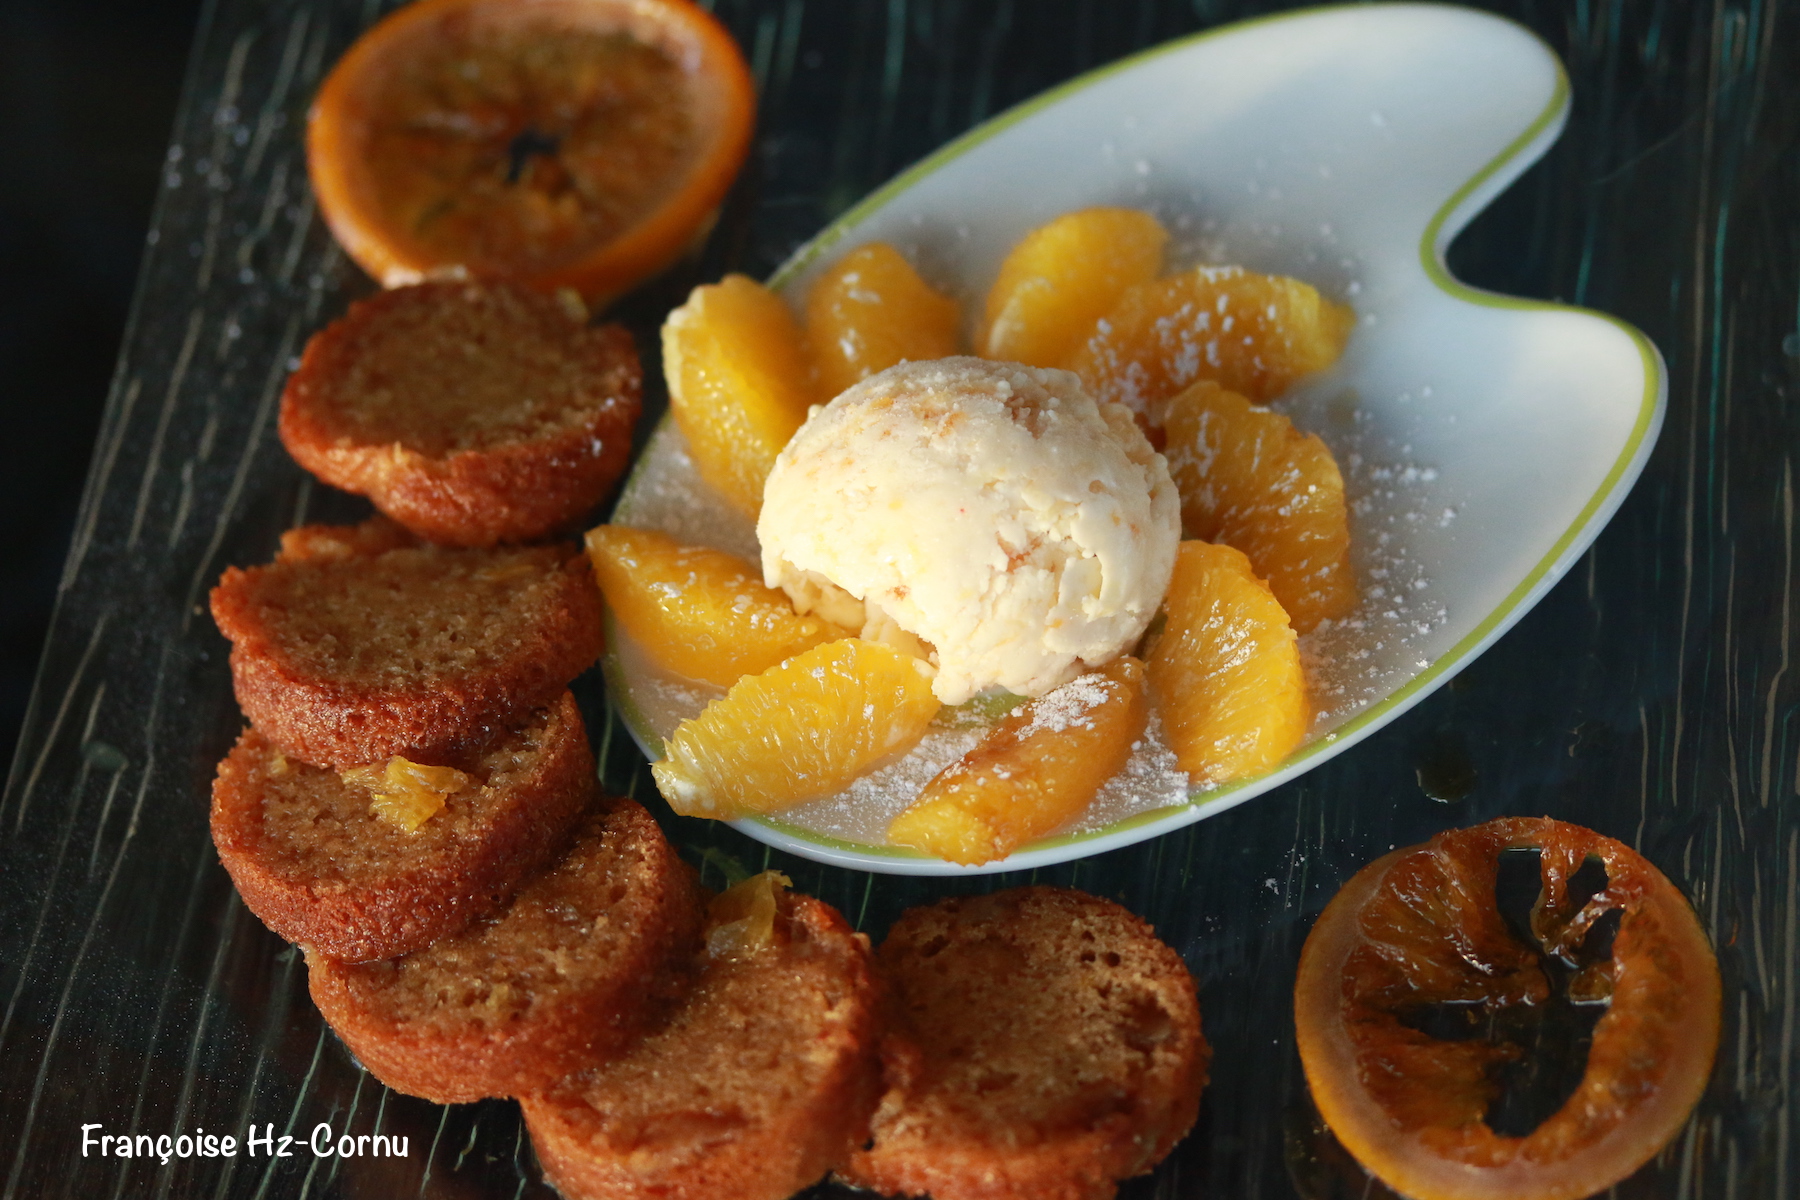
398, 853
358, 643
585, 955
472, 413
1046, 1045
754, 1087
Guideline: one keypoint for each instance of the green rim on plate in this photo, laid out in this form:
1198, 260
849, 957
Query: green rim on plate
1431, 258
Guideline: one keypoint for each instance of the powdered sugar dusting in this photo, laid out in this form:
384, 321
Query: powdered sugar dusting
1351, 663
1359, 660
665, 492
1149, 781
863, 811
1068, 706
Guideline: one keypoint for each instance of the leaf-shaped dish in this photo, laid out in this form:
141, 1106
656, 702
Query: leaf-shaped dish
1485, 440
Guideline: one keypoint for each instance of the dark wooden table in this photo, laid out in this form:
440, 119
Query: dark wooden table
1648, 696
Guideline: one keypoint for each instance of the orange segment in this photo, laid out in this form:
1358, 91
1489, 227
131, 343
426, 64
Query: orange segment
576, 145
739, 383
1226, 670
1417, 998
1063, 277
1255, 334
1249, 479
799, 731
870, 311
1034, 772
696, 611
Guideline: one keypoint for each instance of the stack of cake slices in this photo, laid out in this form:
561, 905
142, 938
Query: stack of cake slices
415, 805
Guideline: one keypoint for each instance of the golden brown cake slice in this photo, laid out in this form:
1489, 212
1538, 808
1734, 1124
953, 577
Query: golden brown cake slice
1046, 1046
472, 413
754, 1087
359, 642
316, 857
564, 976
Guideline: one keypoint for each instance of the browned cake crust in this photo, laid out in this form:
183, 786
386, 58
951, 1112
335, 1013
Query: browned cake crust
1046, 1045
471, 413
564, 976
314, 861
755, 1087
358, 643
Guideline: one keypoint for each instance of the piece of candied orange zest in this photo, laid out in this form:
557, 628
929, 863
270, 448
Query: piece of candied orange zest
740, 921
405, 793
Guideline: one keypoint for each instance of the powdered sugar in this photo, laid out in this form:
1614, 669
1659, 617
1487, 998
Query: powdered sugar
1067, 707
862, 812
1351, 663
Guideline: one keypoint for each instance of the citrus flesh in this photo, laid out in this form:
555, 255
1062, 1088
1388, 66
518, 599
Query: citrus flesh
1062, 277
1249, 479
1225, 671
1034, 771
696, 611
1413, 985
1254, 334
740, 383
870, 311
558, 144
801, 730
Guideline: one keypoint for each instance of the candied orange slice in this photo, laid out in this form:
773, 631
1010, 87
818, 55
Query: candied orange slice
1035, 771
1063, 277
578, 145
739, 383
870, 311
697, 611
405, 793
798, 731
1427, 1017
740, 921
1225, 672
1249, 479
1255, 334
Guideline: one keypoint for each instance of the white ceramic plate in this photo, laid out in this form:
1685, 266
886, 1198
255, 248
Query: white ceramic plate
1485, 440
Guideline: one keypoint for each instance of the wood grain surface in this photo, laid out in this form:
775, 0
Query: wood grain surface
1652, 695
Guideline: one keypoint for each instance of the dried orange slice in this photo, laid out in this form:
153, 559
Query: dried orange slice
1421, 1006
697, 611
570, 143
870, 311
1034, 772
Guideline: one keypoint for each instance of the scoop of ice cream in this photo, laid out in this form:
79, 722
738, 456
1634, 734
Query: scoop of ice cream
994, 511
